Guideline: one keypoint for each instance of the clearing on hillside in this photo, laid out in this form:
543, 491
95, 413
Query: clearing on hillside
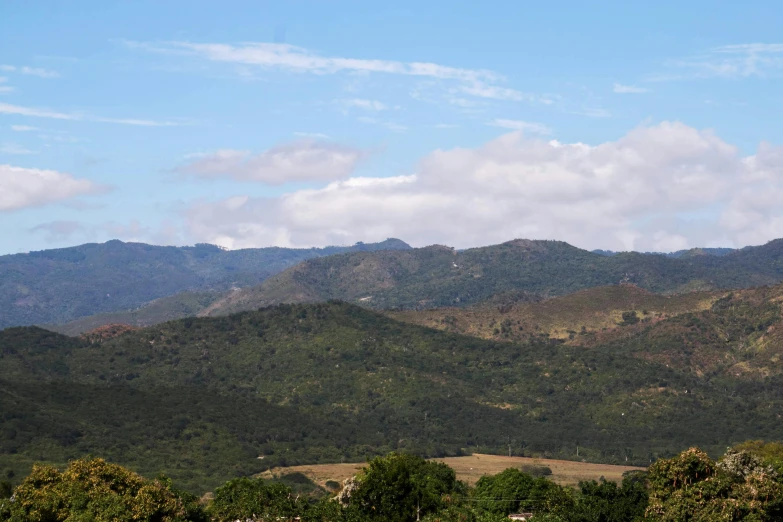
471, 468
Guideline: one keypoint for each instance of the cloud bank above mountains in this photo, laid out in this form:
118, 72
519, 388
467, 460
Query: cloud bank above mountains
661, 187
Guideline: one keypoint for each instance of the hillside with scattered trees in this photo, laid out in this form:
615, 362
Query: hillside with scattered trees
209, 398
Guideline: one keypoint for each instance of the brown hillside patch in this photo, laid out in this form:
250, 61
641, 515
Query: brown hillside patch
109, 331
472, 468
568, 318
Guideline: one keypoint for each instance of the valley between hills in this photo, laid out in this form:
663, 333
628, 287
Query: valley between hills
533, 348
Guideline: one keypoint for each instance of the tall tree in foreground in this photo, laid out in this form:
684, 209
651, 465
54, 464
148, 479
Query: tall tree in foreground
401, 488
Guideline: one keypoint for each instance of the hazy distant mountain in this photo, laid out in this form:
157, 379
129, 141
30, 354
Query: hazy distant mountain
59, 285
680, 253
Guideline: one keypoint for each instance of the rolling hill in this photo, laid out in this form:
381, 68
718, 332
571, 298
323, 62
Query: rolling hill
205, 398
55, 286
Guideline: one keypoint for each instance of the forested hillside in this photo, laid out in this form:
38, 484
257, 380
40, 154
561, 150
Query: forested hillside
204, 398
53, 286
440, 276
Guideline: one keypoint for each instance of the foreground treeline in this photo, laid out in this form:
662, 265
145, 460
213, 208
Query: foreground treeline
745, 484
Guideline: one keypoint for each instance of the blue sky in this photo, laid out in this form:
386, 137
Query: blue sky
604, 124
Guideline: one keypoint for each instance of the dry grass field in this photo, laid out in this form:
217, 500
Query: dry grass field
473, 467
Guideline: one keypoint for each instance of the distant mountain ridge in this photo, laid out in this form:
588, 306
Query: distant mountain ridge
438, 276
59, 285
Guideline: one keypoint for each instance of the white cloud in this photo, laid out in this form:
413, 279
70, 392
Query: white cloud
22, 187
303, 160
23, 128
7, 108
14, 148
634, 193
629, 89
475, 82
524, 126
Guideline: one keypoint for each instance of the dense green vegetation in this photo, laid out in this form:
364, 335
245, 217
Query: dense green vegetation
741, 485
440, 276
204, 398
53, 286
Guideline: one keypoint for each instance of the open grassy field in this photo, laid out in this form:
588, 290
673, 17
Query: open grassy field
471, 468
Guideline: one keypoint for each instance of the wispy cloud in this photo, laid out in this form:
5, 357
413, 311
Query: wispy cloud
59, 230
728, 61
370, 105
5, 88
392, 126
628, 89
23, 128
33, 112
593, 112
475, 82
519, 125
318, 135
30, 71
6, 108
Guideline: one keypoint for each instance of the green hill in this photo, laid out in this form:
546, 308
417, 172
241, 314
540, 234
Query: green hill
438, 276
204, 398
55, 286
